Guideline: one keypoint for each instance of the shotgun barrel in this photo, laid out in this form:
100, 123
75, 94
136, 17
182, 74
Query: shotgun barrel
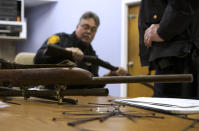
174, 78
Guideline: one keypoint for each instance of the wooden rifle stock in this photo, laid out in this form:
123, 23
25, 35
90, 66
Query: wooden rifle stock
56, 51
43, 76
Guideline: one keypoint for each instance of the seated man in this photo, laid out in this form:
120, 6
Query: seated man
79, 42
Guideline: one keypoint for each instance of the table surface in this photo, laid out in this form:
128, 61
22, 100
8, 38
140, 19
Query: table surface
36, 114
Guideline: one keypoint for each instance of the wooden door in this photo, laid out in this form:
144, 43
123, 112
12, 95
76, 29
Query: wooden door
134, 66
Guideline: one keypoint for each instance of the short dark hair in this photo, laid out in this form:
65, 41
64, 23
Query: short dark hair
92, 15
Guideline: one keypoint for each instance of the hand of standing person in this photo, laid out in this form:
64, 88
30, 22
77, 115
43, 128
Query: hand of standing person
152, 35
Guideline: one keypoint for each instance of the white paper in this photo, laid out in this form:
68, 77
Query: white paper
170, 105
2, 104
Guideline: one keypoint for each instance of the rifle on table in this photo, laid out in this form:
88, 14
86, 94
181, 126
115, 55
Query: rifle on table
61, 77
77, 76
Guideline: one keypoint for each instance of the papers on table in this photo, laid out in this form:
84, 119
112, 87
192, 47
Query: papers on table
2, 104
169, 105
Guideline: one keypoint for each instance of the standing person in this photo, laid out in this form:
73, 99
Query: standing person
169, 43
79, 42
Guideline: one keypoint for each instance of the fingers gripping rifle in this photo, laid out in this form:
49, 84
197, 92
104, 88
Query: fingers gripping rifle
56, 51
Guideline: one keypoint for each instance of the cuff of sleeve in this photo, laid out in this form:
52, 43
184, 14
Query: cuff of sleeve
164, 35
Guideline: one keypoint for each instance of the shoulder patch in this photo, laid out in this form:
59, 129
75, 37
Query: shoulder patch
54, 39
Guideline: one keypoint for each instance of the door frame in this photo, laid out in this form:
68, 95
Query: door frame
124, 39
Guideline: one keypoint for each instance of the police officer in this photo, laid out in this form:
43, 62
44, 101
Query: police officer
169, 43
79, 42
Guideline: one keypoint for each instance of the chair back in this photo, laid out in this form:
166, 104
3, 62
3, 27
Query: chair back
25, 58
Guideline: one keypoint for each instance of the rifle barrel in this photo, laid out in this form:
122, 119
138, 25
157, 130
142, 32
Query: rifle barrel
175, 78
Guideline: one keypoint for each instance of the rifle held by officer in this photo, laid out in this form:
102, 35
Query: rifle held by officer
59, 52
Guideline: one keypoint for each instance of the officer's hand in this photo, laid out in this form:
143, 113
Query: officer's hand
119, 72
77, 53
152, 35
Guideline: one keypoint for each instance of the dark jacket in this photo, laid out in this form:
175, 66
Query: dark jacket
179, 28
186, 6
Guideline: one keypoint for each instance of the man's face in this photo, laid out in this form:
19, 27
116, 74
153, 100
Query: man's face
86, 30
